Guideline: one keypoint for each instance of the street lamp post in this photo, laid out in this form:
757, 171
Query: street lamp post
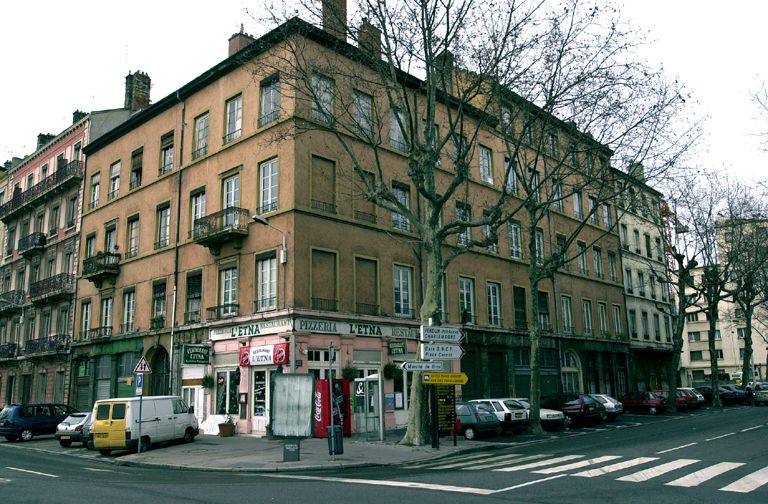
283, 260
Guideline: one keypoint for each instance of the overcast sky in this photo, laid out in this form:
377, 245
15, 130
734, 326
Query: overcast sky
60, 56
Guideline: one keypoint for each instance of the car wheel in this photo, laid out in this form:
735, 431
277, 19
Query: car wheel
567, 421
189, 436
10, 438
470, 433
25, 435
652, 410
65, 443
105, 452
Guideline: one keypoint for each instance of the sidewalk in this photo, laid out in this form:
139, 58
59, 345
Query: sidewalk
252, 454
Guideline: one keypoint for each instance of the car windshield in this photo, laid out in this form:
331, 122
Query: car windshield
600, 399
483, 408
525, 404
76, 417
515, 405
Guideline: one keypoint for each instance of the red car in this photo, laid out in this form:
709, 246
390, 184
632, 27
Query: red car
644, 402
681, 400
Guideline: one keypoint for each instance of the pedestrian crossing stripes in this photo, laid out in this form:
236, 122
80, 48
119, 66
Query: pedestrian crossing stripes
644, 468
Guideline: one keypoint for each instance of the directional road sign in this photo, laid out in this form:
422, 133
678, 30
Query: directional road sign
422, 366
444, 378
142, 366
444, 351
441, 333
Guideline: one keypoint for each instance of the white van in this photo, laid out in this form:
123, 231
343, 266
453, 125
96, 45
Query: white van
163, 418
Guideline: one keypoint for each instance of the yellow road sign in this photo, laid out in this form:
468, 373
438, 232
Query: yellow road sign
444, 378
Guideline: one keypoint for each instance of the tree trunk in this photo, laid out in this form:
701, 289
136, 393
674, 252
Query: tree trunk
747, 375
714, 378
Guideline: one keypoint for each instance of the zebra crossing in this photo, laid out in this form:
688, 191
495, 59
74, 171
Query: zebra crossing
619, 467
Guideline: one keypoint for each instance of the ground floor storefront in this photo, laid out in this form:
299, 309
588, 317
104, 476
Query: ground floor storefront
650, 369
35, 379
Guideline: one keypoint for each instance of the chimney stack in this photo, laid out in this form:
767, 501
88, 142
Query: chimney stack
335, 18
44, 138
77, 115
137, 91
239, 41
369, 39
444, 65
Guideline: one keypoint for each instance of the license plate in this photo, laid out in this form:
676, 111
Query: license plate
65, 437
102, 434
518, 415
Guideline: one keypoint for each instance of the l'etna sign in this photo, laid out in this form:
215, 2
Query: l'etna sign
195, 354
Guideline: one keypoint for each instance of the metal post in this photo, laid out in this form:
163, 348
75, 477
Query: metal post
331, 432
141, 399
435, 425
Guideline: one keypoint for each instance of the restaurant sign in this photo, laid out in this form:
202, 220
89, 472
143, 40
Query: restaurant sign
264, 355
252, 329
356, 328
195, 354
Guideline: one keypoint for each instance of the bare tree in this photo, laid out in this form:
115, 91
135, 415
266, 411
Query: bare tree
555, 82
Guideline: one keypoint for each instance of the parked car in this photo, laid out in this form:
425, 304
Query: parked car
644, 402
550, 419
74, 429
24, 421
694, 400
472, 420
732, 394
706, 392
580, 408
512, 415
680, 399
613, 407
761, 393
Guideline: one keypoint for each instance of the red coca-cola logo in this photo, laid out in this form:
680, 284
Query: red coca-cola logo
318, 406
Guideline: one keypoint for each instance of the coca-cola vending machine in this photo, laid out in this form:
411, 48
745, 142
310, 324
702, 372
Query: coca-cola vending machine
341, 407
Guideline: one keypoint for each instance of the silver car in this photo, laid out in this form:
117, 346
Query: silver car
613, 407
74, 429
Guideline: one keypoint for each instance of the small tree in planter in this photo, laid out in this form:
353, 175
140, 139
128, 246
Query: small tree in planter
208, 382
389, 371
349, 372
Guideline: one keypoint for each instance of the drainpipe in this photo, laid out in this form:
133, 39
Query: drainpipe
176, 249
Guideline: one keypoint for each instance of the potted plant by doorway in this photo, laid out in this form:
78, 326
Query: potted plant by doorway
207, 382
227, 427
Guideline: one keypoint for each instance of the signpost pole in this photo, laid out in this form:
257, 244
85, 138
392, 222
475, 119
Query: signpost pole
453, 416
435, 419
140, 380
331, 431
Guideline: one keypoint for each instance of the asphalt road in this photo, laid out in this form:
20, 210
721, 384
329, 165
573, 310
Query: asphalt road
708, 456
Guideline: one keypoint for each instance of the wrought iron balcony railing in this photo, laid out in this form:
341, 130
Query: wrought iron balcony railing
8, 350
11, 301
33, 242
54, 343
96, 332
224, 226
55, 286
103, 265
224, 311
60, 179
367, 308
324, 304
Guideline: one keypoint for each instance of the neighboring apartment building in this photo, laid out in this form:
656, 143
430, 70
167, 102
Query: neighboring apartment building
646, 282
41, 217
176, 270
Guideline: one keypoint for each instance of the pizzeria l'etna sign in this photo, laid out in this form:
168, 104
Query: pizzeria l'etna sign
264, 355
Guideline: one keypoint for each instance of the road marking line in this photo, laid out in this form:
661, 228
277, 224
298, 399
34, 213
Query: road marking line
98, 470
577, 465
401, 484
31, 472
748, 482
429, 463
708, 473
4, 480
477, 461
751, 428
521, 459
658, 470
676, 448
521, 485
720, 437
614, 467
539, 464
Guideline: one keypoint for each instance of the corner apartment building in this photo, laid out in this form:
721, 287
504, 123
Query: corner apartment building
176, 269
646, 281
41, 217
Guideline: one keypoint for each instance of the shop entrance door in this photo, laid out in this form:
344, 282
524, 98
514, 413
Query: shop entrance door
368, 394
260, 398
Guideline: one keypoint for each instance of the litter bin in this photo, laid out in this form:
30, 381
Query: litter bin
335, 442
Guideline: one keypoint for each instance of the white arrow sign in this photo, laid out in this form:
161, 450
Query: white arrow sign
444, 351
441, 333
422, 366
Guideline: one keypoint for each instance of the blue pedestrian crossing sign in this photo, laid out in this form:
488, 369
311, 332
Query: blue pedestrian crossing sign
140, 384
142, 366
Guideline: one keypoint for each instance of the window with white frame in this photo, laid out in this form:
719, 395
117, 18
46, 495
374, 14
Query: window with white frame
85, 318
510, 165
617, 320
106, 312
536, 186
467, 300
494, 304
539, 237
163, 222
587, 311
322, 103
652, 285
641, 283
201, 136
612, 266
197, 205
114, 181
582, 250
657, 327
632, 321
636, 235
228, 291
486, 165
593, 215
645, 325
268, 181
487, 233
95, 190
129, 310
363, 114
565, 303
166, 153
266, 298
515, 248
557, 196
234, 125
402, 285
133, 237
397, 125
598, 255
577, 206
269, 101
463, 215
602, 317
230, 188
607, 219
403, 195
628, 280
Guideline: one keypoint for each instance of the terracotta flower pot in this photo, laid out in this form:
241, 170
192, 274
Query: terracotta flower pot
226, 429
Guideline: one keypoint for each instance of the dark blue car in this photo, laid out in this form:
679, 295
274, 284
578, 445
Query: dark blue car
24, 421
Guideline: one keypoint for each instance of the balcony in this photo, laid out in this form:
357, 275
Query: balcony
96, 333
324, 304
32, 244
192, 317
157, 322
58, 343
225, 226
53, 288
224, 311
323, 206
100, 267
8, 350
366, 309
11, 301
59, 181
